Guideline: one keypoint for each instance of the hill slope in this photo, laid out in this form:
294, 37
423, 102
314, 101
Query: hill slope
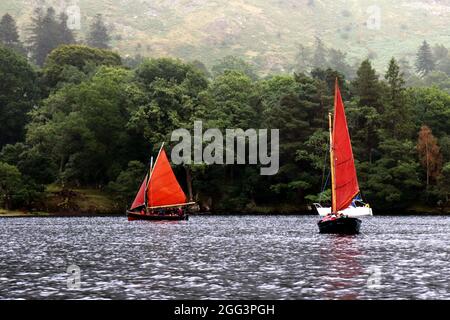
266, 32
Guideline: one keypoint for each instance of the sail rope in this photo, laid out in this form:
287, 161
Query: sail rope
324, 186
323, 173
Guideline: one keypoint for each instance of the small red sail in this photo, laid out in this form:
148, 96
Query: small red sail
140, 197
346, 181
164, 189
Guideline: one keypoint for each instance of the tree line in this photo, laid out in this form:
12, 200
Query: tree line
87, 118
431, 65
47, 31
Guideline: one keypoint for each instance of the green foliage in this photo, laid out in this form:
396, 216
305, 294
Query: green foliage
314, 149
47, 32
393, 180
366, 86
133, 61
99, 123
337, 61
16, 190
295, 105
18, 93
83, 127
232, 63
9, 36
200, 66
323, 197
396, 117
33, 164
10, 184
171, 100
425, 62
442, 191
73, 63
164, 68
438, 79
431, 108
233, 101
125, 186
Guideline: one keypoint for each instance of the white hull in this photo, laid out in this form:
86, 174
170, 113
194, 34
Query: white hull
351, 212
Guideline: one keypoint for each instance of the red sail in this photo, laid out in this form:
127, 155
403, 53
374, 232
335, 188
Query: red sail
140, 197
164, 189
346, 181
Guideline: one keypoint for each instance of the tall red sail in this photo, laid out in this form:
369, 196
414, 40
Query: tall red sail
164, 189
346, 181
140, 196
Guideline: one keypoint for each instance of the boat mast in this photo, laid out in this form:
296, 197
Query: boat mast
151, 172
333, 186
147, 182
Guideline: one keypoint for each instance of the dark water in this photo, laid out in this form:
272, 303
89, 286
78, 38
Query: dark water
224, 258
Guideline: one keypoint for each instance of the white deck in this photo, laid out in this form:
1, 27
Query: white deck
352, 212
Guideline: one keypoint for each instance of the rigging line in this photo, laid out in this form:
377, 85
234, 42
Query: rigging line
325, 164
326, 182
323, 190
323, 173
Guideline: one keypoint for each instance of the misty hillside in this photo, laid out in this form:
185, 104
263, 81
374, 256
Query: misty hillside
265, 32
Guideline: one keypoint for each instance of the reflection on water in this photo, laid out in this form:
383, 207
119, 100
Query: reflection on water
224, 258
342, 267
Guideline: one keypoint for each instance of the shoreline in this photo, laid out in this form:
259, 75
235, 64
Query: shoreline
40, 214
85, 202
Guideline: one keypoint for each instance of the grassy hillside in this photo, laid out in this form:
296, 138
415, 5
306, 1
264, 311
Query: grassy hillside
266, 32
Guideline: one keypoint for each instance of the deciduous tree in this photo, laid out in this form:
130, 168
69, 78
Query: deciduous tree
429, 154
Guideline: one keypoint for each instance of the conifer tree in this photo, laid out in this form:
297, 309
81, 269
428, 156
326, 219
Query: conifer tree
397, 121
367, 111
367, 87
48, 33
395, 79
9, 35
319, 57
98, 36
66, 35
44, 34
425, 61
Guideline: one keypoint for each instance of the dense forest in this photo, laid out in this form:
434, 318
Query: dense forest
74, 114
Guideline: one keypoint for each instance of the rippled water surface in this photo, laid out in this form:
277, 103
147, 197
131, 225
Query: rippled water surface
224, 258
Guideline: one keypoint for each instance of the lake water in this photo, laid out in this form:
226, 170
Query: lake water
232, 257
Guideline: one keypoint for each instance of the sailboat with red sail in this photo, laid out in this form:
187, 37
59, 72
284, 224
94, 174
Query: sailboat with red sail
344, 181
160, 196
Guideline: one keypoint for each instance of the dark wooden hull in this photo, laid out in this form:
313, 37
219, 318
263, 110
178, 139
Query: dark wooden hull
342, 225
155, 217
